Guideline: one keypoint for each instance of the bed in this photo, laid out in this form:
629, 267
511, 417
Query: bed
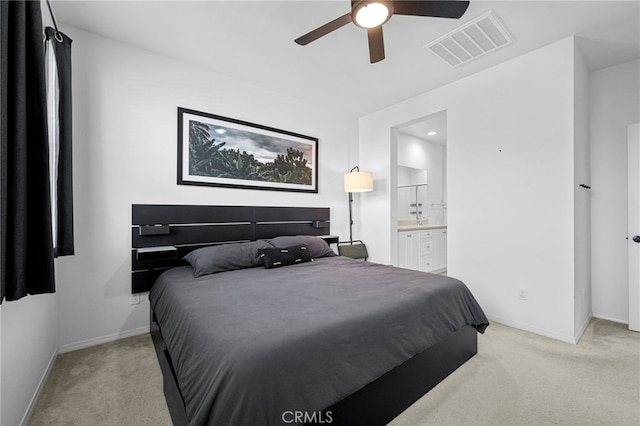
328, 340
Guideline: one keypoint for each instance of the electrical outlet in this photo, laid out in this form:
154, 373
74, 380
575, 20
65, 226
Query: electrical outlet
134, 299
523, 294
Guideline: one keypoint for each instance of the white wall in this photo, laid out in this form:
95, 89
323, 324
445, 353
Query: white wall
614, 104
435, 169
510, 177
582, 197
412, 152
125, 127
28, 347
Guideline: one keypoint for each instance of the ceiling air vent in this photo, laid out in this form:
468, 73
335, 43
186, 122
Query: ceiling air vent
472, 40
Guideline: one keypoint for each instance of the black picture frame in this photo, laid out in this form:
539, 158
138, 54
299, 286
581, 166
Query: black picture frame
225, 152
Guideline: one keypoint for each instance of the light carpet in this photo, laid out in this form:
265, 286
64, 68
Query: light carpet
113, 384
520, 378
517, 378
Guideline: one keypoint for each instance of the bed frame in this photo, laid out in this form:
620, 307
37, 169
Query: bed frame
162, 234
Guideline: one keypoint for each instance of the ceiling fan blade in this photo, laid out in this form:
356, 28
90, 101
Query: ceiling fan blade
438, 9
324, 30
376, 44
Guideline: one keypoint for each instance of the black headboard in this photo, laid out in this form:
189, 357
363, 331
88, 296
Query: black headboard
161, 235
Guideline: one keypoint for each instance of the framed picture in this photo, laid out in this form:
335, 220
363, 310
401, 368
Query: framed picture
221, 151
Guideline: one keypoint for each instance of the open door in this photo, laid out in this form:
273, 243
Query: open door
634, 225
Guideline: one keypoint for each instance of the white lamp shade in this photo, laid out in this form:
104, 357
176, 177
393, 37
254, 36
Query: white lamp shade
358, 182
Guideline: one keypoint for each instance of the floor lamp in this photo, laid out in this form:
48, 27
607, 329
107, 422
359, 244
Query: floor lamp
356, 181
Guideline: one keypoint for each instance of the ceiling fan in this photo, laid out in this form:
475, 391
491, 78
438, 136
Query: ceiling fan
372, 14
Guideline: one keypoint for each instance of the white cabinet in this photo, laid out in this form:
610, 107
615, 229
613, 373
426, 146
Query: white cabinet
440, 249
408, 250
426, 251
423, 250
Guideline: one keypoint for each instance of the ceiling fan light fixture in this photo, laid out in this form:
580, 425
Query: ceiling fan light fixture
368, 14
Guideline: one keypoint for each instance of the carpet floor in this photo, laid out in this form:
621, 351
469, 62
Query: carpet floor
520, 378
113, 384
517, 378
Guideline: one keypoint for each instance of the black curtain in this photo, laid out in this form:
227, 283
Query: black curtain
27, 243
61, 44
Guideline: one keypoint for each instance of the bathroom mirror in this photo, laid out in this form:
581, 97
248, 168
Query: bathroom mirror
412, 193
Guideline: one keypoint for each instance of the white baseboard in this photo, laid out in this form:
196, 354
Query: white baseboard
535, 330
36, 394
73, 347
604, 317
584, 326
104, 339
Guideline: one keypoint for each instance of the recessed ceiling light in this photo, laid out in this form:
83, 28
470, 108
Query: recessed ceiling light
432, 133
220, 131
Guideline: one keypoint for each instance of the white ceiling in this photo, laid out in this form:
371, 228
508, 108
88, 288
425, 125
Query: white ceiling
253, 41
434, 123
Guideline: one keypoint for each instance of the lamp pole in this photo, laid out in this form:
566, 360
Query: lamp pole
356, 182
355, 169
350, 218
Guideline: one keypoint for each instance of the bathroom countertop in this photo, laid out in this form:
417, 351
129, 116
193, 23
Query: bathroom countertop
418, 227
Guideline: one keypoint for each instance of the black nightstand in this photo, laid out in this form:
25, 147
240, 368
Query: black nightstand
330, 239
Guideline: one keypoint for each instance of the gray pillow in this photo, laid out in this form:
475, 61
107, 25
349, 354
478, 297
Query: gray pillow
225, 257
317, 246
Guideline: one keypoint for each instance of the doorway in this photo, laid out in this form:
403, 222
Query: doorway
419, 192
633, 174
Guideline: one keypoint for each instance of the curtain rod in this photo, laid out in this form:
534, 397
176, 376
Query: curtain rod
55, 24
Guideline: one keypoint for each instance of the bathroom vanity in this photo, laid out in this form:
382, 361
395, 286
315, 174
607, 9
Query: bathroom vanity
422, 247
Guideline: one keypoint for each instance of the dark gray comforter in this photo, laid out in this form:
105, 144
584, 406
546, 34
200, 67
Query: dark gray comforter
249, 345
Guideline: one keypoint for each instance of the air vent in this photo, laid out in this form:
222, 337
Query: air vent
472, 40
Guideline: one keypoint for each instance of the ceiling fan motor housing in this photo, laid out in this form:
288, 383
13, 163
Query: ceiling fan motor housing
357, 5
